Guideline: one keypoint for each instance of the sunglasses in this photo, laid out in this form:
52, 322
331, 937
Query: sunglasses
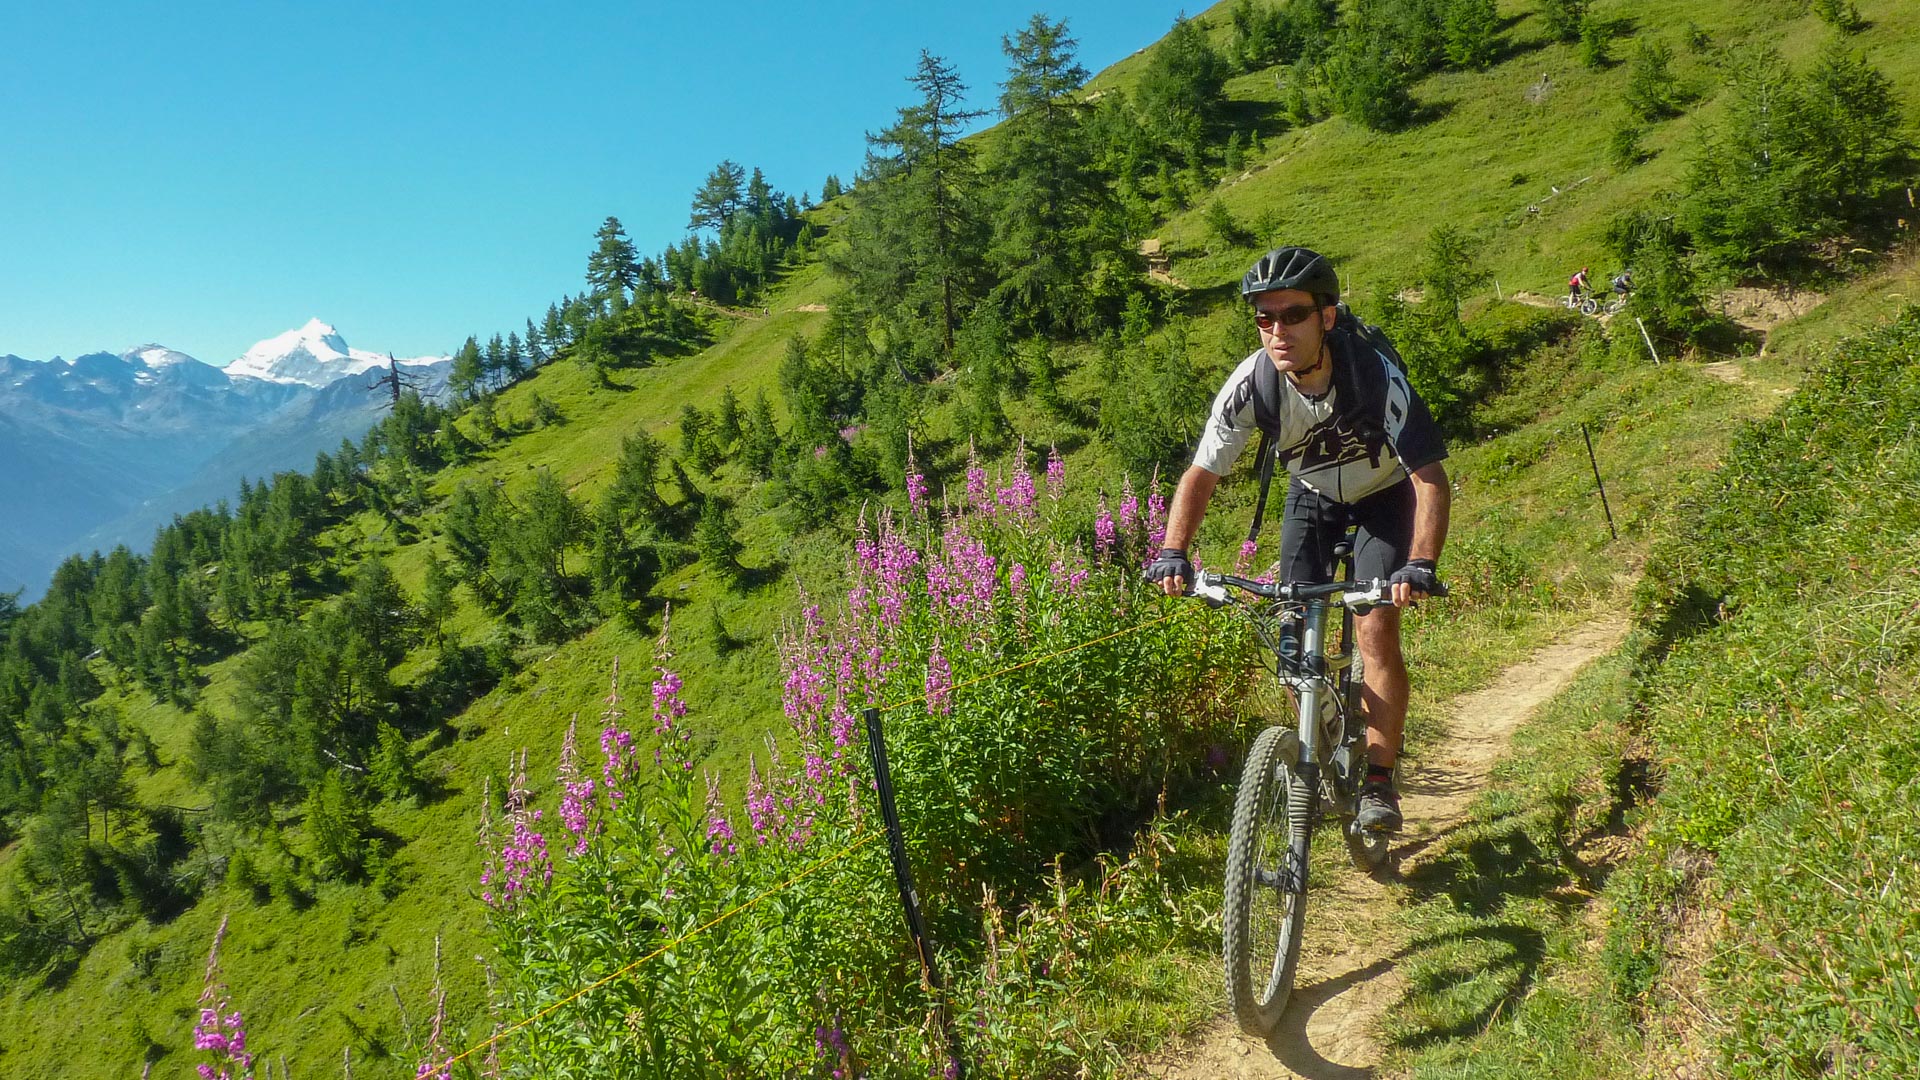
1288, 316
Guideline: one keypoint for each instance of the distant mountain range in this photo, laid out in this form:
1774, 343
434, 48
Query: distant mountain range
105, 448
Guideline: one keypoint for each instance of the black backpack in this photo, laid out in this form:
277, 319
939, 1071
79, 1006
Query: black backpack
1359, 338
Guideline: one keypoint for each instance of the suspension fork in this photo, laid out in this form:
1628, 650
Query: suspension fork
1303, 806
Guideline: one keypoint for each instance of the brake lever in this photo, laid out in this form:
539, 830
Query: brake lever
1213, 593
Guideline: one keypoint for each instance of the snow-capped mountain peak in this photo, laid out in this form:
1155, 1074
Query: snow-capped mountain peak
157, 356
314, 355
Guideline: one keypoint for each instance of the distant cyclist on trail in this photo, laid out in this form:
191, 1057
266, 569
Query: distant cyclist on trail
1577, 284
1360, 448
1623, 283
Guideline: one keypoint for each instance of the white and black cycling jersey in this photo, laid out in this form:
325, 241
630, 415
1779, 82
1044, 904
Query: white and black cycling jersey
1363, 436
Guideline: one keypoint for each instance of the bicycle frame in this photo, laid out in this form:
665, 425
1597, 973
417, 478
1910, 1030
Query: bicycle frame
1316, 688
1315, 680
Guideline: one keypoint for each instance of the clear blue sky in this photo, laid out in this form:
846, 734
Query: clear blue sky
205, 175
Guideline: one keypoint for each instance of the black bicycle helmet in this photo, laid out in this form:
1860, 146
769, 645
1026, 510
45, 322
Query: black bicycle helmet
1292, 268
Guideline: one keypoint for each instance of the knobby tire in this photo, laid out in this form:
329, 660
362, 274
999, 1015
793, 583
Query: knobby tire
1264, 920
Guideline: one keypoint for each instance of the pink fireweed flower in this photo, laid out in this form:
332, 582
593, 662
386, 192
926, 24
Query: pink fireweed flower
1018, 496
848, 434
490, 860
667, 706
939, 681
524, 857
979, 496
816, 772
831, 1043
840, 726
576, 791
220, 1030
866, 553
1245, 559
1103, 529
1017, 579
898, 560
763, 814
804, 694
615, 741
719, 829
1129, 505
961, 584
916, 482
1056, 473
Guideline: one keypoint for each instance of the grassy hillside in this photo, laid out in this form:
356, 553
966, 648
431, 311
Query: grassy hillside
350, 968
1695, 858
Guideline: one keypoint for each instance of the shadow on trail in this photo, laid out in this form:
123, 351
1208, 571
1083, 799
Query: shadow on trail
1291, 1042
1483, 888
1463, 979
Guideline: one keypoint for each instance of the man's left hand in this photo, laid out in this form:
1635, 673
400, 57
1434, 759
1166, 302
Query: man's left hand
1415, 581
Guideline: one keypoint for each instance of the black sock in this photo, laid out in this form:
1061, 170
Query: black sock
1382, 773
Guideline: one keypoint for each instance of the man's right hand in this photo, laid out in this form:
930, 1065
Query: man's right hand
1172, 570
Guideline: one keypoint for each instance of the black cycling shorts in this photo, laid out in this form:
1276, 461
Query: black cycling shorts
1314, 523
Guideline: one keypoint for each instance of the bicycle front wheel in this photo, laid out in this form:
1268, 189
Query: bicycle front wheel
1266, 902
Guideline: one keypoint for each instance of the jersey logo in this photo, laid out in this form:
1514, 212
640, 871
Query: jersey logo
1330, 445
1399, 403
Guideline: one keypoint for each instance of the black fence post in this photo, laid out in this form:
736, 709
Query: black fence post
903, 876
1595, 462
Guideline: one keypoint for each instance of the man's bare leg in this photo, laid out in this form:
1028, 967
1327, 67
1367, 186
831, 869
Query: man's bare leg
1386, 692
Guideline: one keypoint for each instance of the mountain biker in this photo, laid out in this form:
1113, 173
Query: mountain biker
1577, 284
1623, 283
1360, 449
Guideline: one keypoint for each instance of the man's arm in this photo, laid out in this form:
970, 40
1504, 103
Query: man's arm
1183, 517
1432, 505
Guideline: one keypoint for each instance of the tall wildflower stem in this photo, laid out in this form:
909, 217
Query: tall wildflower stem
220, 1030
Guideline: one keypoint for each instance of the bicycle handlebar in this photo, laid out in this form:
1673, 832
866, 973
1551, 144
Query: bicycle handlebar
1212, 587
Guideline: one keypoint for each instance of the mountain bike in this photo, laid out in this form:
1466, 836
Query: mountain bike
1585, 305
1593, 304
1292, 777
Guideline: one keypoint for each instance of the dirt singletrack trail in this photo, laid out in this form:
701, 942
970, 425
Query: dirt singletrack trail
1347, 978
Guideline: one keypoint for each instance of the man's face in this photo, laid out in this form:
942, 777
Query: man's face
1295, 347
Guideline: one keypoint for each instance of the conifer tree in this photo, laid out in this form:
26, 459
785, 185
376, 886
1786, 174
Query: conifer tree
1179, 92
1651, 91
917, 235
760, 441
612, 268
727, 419
713, 537
436, 600
1056, 221
536, 345
494, 361
468, 370
717, 200
514, 360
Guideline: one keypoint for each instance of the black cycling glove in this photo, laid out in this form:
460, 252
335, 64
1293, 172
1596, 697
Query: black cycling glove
1419, 573
1170, 563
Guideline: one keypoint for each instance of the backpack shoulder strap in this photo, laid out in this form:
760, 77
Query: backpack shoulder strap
1263, 459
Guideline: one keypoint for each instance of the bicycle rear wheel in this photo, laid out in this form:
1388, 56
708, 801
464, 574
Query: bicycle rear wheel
1265, 910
